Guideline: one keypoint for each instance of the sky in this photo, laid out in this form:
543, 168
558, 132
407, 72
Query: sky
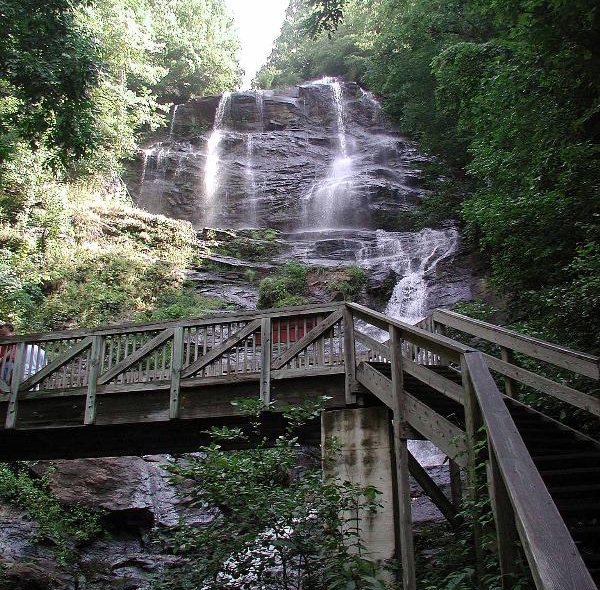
258, 23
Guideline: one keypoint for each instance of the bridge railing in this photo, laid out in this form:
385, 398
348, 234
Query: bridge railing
261, 345
510, 345
523, 508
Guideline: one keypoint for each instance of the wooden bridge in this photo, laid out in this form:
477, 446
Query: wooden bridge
159, 387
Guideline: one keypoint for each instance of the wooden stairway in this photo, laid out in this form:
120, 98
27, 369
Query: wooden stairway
568, 461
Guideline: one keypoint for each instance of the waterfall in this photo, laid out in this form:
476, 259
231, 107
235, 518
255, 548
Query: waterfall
211, 171
413, 257
332, 197
250, 180
369, 99
153, 179
260, 107
172, 123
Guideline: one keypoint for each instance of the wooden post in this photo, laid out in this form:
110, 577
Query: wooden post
401, 462
349, 355
94, 368
506, 530
509, 384
265, 369
455, 483
176, 366
473, 422
17, 376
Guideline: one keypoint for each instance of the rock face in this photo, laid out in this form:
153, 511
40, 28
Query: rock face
320, 163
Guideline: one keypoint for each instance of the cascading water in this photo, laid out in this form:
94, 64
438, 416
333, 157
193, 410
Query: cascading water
260, 107
251, 180
326, 169
173, 118
211, 171
412, 256
331, 196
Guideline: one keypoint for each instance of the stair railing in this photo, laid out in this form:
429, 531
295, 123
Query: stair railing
522, 505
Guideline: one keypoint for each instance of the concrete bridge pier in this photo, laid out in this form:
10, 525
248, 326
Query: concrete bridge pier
364, 437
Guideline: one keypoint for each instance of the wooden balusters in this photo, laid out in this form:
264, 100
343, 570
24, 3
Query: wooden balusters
95, 362
11, 414
266, 354
510, 384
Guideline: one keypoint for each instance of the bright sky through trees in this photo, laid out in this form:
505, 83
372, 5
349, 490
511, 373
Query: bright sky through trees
258, 23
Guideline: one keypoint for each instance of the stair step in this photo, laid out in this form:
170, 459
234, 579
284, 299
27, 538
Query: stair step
578, 491
573, 460
574, 475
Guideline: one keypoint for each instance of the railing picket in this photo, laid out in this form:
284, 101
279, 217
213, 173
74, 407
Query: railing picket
95, 361
11, 414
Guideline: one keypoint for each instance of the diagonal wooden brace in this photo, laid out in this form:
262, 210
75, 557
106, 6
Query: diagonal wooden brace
221, 349
137, 356
306, 340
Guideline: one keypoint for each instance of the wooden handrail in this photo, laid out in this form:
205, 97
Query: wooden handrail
552, 555
578, 362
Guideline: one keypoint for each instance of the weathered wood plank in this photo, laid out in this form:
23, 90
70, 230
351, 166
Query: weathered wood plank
349, 356
578, 362
558, 390
407, 549
434, 380
135, 357
12, 406
307, 339
432, 490
552, 555
176, 366
377, 347
266, 353
56, 364
311, 371
93, 369
427, 340
217, 351
377, 383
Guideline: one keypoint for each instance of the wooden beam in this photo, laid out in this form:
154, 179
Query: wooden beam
266, 354
509, 383
507, 535
432, 490
176, 366
434, 380
455, 483
11, 412
407, 549
307, 339
558, 390
349, 356
377, 347
377, 383
137, 356
90, 402
435, 343
216, 352
56, 364
578, 362
553, 557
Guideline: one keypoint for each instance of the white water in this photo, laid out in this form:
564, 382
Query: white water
211, 171
260, 107
172, 123
251, 180
413, 257
329, 197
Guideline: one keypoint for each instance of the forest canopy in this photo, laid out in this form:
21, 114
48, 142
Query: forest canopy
82, 83
506, 94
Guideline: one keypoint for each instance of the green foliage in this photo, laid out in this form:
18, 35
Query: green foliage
274, 525
254, 245
288, 287
65, 527
351, 285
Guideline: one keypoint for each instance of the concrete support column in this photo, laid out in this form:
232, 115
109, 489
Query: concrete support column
366, 459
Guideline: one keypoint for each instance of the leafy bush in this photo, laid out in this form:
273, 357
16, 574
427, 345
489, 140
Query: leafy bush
65, 527
351, 286
288, 287
274, 525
